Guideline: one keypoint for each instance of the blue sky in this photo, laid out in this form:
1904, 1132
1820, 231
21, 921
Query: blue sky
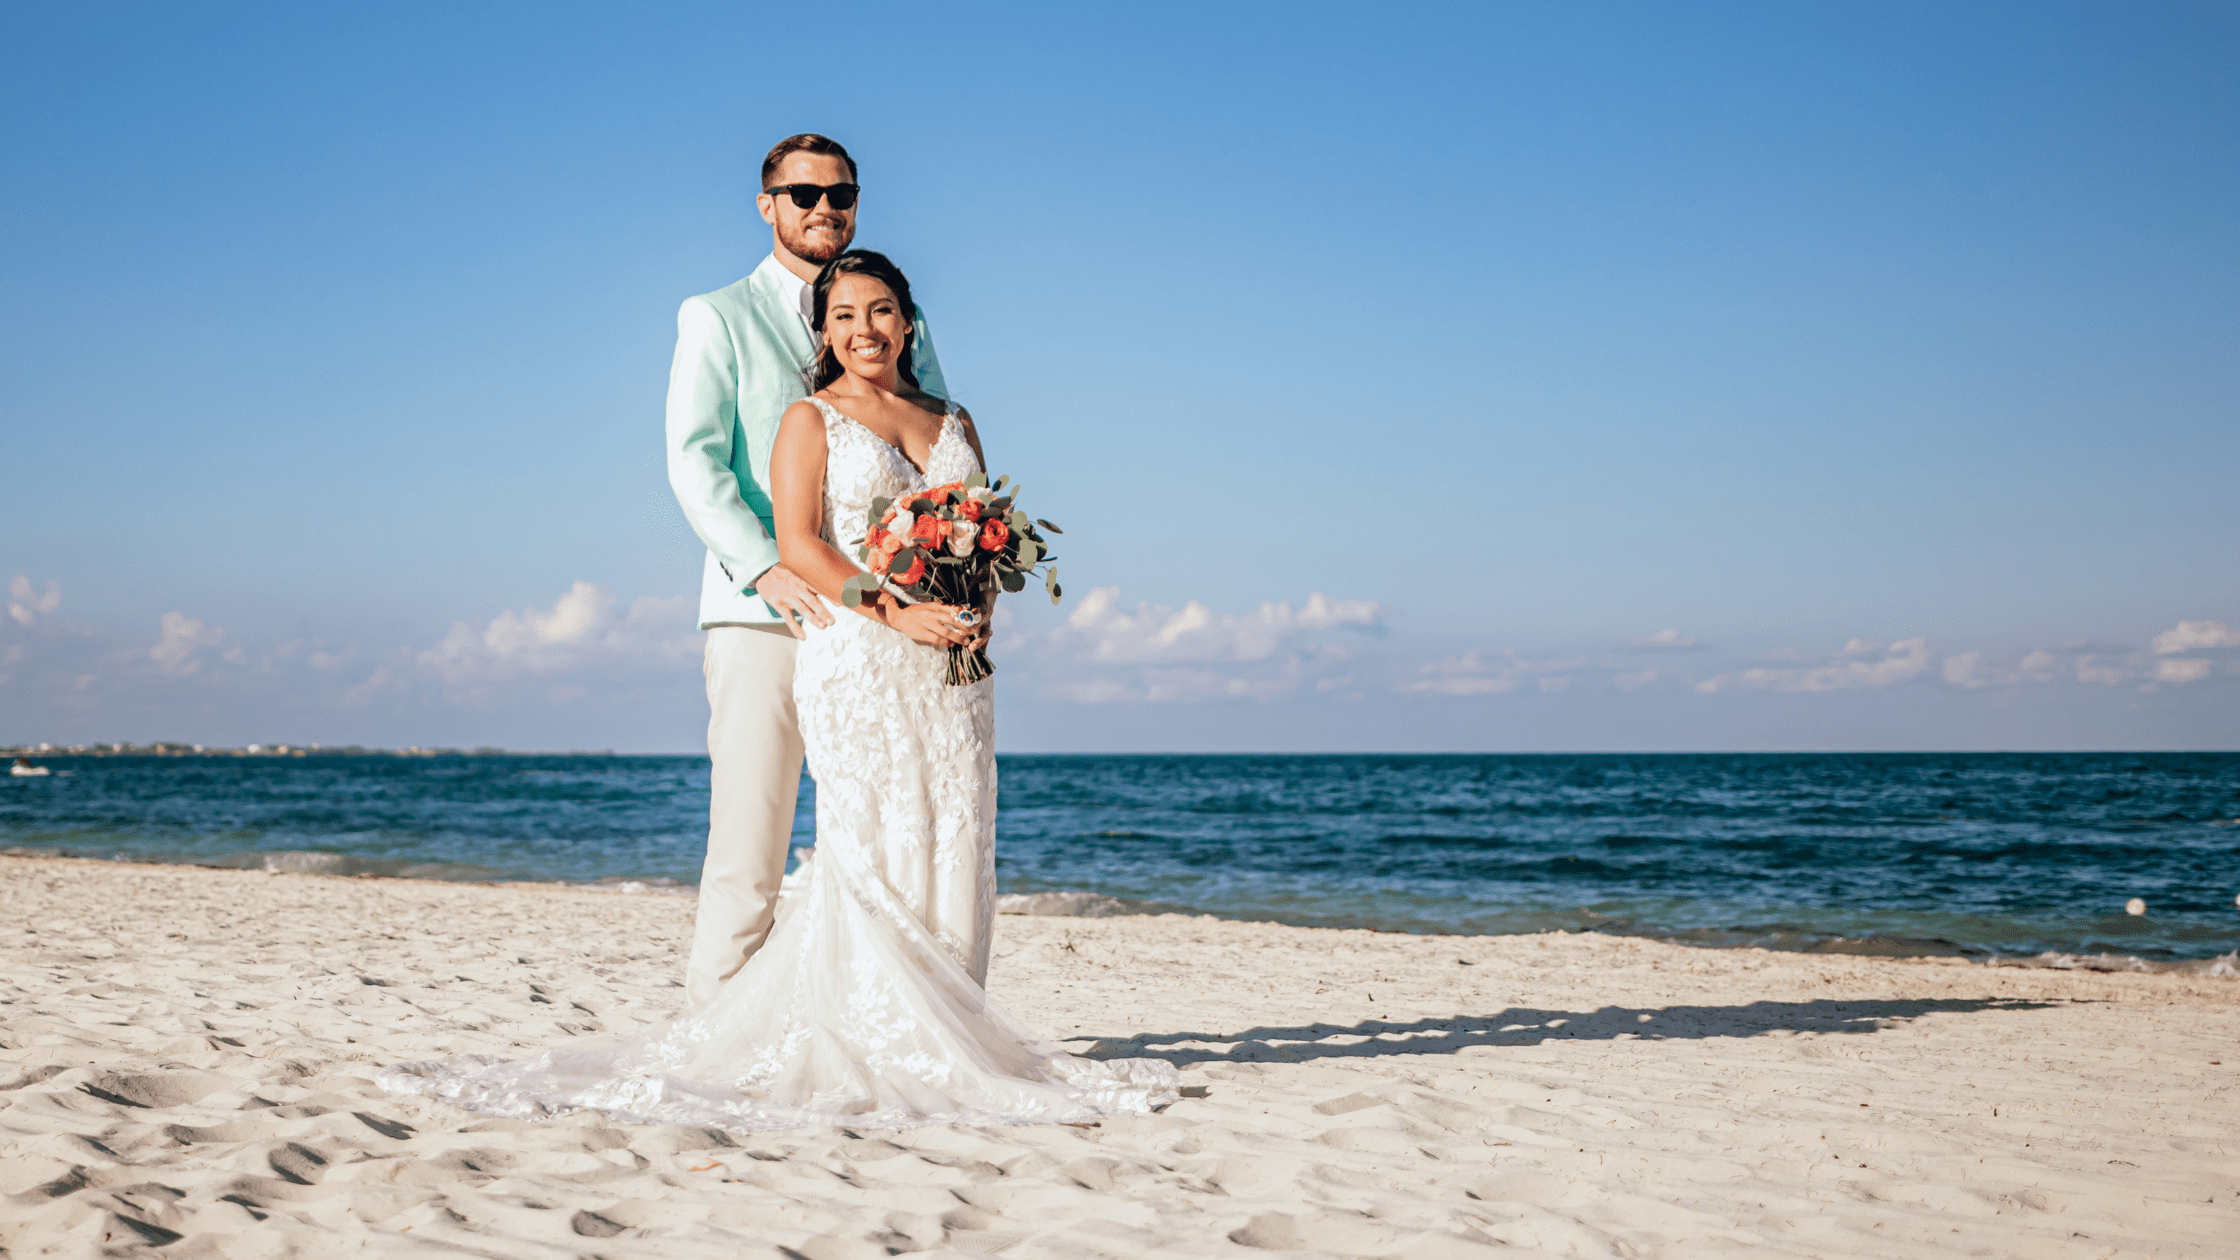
1617, 376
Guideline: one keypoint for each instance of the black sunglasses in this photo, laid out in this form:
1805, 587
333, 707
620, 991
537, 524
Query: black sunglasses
807, 196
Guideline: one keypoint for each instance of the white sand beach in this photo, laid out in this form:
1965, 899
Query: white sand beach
186, 1062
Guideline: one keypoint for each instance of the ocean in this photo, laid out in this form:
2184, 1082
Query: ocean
1998, 857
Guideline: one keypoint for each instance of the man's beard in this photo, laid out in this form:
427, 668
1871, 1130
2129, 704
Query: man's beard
799, 244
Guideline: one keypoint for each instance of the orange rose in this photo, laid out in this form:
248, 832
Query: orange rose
927, 529
994, 535
968, 510
915, 573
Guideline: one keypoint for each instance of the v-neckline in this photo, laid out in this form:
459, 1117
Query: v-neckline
904, 455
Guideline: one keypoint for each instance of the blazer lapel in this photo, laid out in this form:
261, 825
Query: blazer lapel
771, 303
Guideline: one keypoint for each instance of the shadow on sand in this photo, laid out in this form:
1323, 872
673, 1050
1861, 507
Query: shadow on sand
1519, 1026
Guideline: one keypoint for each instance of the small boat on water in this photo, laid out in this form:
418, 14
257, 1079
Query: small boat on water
23, 769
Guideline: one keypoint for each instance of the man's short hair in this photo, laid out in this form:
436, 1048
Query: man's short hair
806, 142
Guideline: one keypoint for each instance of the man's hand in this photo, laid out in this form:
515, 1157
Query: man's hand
795, 600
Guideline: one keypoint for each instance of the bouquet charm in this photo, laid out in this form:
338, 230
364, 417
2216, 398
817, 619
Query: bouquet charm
954, 544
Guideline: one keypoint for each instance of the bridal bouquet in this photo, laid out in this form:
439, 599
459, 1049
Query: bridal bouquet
953, 544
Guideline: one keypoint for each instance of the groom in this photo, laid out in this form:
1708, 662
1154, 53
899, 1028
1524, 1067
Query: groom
742, 355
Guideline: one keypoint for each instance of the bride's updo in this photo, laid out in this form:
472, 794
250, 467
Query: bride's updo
861, 262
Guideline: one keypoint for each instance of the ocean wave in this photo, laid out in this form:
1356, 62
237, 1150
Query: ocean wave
316, 862
2223, 966
651, 884
1070, 905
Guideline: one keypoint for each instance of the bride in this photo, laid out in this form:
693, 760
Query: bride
865, 1007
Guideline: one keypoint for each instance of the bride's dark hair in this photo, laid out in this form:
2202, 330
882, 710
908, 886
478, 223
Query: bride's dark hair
861, 262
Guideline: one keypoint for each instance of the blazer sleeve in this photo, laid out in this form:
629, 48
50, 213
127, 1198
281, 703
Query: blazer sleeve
702, 417
925, 363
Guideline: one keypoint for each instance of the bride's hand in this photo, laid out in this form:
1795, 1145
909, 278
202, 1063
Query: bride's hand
933, 624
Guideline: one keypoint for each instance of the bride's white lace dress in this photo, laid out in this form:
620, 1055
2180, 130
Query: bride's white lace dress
865, 1007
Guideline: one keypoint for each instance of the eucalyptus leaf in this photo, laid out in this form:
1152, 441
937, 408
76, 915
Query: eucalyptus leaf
1028, 553
1014, 582
975, 481
851, 596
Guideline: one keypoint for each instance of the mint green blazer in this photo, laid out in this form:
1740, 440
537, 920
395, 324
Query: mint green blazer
742, 358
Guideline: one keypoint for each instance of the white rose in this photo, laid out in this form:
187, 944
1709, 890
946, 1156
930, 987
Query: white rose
961, 535
980, 494
900, 525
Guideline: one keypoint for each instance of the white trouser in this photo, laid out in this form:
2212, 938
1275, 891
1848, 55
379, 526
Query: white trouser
754, 776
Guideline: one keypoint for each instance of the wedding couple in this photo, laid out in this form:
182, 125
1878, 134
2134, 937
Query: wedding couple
797, 397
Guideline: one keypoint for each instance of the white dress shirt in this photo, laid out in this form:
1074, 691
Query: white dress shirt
804, 299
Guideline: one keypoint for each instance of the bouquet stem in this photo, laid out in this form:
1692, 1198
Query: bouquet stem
967, 666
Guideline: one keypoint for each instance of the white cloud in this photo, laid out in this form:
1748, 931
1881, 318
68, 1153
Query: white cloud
1191, 686
1476, 673
2100, 672
183, 640
1105, 652
1974, 671
1466, 675
587, 628
2182, 671
383, 681
1095, 690
1967, 670
2194, 636
1666, 640
1153, 634
2105, 664
1633, 680
27, 603
1863, 664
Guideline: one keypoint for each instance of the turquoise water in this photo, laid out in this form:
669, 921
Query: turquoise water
1985, 854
